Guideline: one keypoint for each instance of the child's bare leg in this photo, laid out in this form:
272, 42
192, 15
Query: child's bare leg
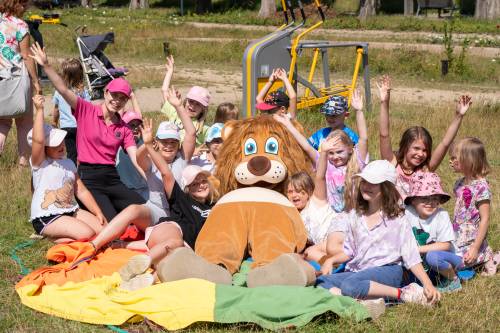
68, 228
164, 238
89, 219
139, 215
378, 290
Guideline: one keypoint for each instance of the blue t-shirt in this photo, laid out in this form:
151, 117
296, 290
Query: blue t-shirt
317, 138
66, 119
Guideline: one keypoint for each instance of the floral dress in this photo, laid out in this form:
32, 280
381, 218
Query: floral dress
12, 31
466, 220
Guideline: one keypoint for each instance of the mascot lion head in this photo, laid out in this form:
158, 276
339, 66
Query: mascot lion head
258, 152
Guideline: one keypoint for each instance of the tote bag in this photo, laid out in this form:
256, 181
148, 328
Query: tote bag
14, 91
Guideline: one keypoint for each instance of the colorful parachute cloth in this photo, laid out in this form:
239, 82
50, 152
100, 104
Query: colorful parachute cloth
94, 297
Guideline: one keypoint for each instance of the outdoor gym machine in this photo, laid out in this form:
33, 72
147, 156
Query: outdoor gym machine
279, 50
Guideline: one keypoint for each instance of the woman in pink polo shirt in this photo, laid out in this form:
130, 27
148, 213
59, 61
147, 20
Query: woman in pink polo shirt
101, 132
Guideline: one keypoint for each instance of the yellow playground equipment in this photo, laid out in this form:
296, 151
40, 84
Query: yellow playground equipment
281, 49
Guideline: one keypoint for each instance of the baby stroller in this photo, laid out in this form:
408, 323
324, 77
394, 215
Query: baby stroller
97, 68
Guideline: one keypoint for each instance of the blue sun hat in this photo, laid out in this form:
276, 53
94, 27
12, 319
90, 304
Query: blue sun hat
214, 132
334, 106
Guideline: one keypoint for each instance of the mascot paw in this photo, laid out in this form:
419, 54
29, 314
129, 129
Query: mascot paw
288, 269
183, 263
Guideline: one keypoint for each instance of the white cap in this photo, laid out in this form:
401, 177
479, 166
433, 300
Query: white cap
189, 174
168, 130
53, 136
377, 172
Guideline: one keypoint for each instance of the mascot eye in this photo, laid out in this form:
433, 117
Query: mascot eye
272, 146
250, 146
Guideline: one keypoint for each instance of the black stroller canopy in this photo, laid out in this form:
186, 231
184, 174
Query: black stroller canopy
96, 43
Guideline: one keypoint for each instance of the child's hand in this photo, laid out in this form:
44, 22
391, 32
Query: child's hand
39, 54
282, 119
169, 65
274, 75
384, 88
281, 74
102, 219
327, 266
432, 294
329, 144
357, 100
464, 102
471, 256
38, 100
147, 131
174, 97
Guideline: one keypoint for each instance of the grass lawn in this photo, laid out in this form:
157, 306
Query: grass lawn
138, 43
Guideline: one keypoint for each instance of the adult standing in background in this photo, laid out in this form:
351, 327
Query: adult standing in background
14, 58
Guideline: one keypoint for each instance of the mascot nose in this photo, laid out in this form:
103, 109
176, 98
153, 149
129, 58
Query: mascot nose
259, 165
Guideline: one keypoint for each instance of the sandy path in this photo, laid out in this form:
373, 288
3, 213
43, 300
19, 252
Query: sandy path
225, 86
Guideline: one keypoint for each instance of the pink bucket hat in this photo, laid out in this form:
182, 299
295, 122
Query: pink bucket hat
189, 174
199, 94
426, 185
119, 85
130, 116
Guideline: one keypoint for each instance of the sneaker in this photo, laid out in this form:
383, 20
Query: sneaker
137, 282
413, 293
288, 269
491, 266
183, 263
136, 265
448, 286
375, 307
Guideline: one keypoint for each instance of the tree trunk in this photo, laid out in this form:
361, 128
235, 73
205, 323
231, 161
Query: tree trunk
368, 8
144, 4
134, 4
267, 8
408, 9
487, 9
203, 6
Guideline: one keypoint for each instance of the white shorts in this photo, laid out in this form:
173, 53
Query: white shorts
156, 212
149, 231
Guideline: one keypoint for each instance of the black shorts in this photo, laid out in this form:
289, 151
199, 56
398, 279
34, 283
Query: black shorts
40, 223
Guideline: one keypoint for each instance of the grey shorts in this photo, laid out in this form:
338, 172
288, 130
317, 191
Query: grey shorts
156, 212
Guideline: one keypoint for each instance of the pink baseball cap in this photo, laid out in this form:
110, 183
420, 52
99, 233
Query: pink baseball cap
189, 174
53, 136
425, 185
199, 94
119, 85
130, 116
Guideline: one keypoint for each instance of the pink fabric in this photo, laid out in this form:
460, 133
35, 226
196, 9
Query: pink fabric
96, 142
404, 183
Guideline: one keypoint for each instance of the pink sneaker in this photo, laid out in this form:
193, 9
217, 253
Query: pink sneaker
413, 293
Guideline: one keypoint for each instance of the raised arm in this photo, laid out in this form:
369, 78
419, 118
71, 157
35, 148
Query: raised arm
55, 116
132, 153
135, 104
262, 93
463, 104
143, 159
38, 134
292, 108
169, 66
24, 47
302, 141
189, 143
320, 180
357, 104
159, 162
41, 58
384, 88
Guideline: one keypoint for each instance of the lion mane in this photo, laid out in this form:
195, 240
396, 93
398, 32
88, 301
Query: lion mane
290, 153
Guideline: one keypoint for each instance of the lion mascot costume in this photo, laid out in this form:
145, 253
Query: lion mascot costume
253, 217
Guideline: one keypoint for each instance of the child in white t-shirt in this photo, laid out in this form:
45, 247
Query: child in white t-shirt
54, 210
432, 228
310, 198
